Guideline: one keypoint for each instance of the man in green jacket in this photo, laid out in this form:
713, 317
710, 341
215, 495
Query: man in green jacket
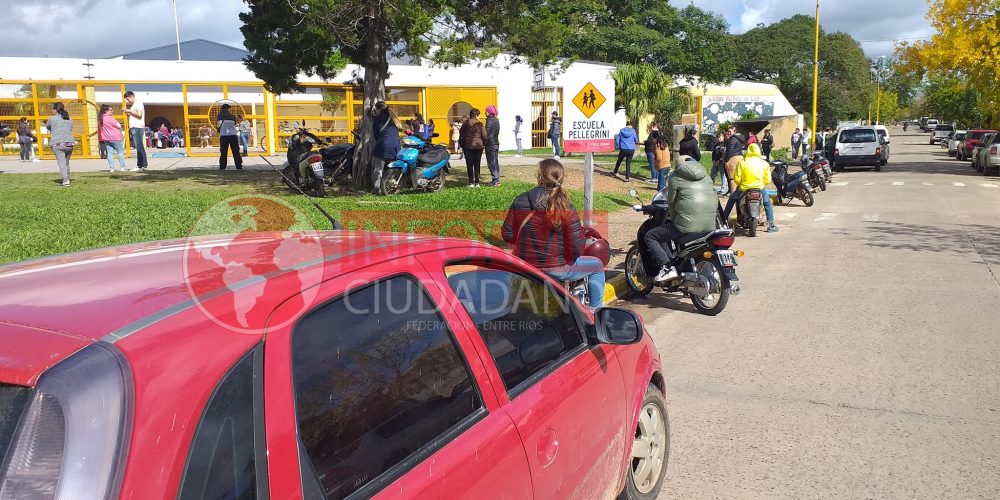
693, 206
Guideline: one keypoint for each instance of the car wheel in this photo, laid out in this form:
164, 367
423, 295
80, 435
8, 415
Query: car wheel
650, 449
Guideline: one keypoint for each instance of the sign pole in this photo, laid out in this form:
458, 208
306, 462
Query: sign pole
588, 189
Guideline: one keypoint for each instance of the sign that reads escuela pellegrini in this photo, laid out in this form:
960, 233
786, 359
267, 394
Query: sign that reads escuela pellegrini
589, 116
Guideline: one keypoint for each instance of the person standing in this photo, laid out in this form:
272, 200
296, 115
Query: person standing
753, 139
137, 128
61, 136
719, 163
806, 141
517, 135
385, 128
429, 131
25, 139
649, 146
733, 155
456, 134
555, 133
472, 137
689, 144
625, 142
767, 143
796, 143
228, 138
109, 132
492, 143
245, 128
661, 153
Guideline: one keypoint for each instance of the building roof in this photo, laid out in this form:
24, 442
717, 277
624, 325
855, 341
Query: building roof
198, 49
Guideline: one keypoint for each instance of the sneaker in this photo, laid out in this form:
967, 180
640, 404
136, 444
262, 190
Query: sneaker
477, 184
496, 184
517, 156
555, 157
666, 273
65, 184
472, 185
772, 229
626, 180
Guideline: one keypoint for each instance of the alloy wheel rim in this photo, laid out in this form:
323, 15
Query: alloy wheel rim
707, 270
648, 448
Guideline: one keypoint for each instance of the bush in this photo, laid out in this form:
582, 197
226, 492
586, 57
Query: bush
782, 154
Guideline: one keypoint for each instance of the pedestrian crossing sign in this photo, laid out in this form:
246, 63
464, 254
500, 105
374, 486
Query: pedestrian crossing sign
589, 100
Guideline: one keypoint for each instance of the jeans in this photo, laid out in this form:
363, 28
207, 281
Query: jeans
230, 142
63, 153
113, 148
656, 237
555, 145
654, 174
719, 168
661, 178
585, 266
473, 162
493, 163
768, 209
245, 142
795, 150
520, 151
625, 154
25, 143
378, 169
138, 139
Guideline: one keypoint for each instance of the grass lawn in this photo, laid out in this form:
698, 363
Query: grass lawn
40, 218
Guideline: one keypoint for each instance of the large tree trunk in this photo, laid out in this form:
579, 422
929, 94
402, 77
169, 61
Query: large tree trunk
376, 71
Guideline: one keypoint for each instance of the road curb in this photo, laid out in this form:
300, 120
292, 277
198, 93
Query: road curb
615, 287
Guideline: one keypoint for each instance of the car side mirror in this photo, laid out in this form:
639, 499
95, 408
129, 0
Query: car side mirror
618, 326
544, 345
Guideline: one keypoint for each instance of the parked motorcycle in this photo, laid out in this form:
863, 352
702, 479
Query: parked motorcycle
814, 172
418, 165
705, 263
313, 171
791, 185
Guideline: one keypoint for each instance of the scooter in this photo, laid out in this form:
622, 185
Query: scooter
417, 165
790, 185
705, 262
749, 211
814, 171
313, 171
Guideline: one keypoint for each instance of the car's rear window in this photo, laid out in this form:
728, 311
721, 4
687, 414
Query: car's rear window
976, 135
882, 133
12, 402
944, 128
854, 136
959, 136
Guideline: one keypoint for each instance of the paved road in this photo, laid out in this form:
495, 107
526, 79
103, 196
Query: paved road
862, 359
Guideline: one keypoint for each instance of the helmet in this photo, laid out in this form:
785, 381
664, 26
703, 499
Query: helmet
595, 245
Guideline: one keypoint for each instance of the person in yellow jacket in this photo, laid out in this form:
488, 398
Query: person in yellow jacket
752, 172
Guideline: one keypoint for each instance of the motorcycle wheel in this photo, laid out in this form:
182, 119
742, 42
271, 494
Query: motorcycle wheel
635, 273
822, 183
392, 181
288, 177
752, 227
806, 196
318, 188
713, 303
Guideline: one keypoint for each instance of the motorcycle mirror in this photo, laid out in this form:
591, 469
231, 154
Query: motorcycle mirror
633, 193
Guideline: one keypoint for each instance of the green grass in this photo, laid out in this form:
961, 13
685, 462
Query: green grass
40, 218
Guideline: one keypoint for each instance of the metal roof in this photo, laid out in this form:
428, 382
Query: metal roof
198, 49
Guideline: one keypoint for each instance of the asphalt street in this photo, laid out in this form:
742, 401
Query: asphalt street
861, 359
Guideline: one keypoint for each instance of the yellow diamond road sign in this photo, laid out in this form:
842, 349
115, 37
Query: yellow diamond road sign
589, 100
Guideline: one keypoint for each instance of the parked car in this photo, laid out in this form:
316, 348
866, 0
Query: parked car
858, 146
883, 136
956, 137
397, 366
989, 156
929, 125
981, 150
941, 132
971, 138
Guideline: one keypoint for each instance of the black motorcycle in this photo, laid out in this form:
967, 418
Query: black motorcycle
814, 171
321, 168
704, 261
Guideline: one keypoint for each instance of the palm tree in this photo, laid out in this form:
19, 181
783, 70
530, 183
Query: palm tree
639, 88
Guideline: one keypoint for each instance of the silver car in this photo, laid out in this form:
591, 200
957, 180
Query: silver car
987, 158
941, 132
953, 140
858, 146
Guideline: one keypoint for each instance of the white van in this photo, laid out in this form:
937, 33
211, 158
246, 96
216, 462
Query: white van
858, 146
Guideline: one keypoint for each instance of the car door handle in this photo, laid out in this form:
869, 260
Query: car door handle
548, 447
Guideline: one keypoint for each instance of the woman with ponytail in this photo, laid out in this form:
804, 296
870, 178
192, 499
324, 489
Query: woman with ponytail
544, 229
61, 138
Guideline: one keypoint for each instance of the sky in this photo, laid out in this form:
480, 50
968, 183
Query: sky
105, 28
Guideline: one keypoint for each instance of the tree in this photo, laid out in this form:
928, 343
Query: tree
965, 47
639, 88
688, 42
320, 37
950, 98
782, 54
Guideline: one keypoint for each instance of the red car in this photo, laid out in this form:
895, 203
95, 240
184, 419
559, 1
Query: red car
284, 366
972, 138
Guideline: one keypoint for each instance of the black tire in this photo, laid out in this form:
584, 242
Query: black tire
653, 409
288, 177
878, 167
714, 309
635, 273
392, 180
318, 189
752, 227
822, 183
806, 196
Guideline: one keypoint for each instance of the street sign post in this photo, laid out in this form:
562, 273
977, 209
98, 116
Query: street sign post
588, 128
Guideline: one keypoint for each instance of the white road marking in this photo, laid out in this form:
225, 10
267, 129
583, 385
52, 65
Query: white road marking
788, 215
826, 216
839, 184
897, 183
928, 183
871, 217
988, 185
958, 184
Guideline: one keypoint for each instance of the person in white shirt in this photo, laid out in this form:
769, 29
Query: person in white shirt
136, 128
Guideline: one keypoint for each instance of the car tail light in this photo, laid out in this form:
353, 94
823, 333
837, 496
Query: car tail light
723, 241
878, 151
993, 151
316, 159
71, 441
836, 152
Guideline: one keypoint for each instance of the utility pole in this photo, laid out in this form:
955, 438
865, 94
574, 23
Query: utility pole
812, 140
177, 32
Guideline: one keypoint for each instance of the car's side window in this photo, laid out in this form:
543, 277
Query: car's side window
526, 325
223, 461
380, 383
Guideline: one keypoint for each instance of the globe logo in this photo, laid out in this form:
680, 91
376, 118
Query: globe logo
247, 248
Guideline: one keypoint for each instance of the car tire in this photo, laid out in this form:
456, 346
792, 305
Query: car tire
878, 168
653, 413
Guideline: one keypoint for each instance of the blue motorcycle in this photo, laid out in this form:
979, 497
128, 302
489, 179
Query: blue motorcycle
418, 165
790, 185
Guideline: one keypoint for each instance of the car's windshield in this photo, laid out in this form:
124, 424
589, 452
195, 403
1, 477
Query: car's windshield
852, 136
944, 128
